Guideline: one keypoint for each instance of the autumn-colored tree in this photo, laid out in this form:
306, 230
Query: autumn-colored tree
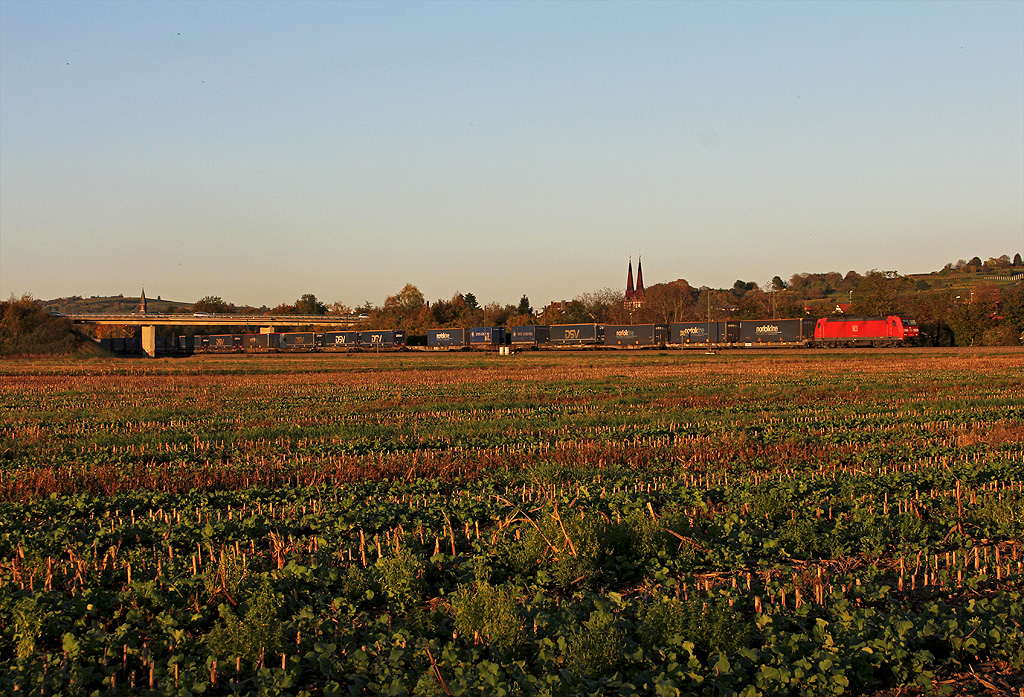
755, 304
554, 313
521, 320
498, 315
603, 306
466, 313
665, 303
406, 310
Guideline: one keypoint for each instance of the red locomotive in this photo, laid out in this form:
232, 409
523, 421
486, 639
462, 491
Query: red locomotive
834, 332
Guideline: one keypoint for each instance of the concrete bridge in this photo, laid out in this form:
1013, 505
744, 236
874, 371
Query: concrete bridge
267, 323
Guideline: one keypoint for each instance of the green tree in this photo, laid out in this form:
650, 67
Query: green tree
524, 307
309, 305
409, 299
213, 304
755, 304
880, 293
741, 287
968, 323
26, 328
1013, 306
442, 313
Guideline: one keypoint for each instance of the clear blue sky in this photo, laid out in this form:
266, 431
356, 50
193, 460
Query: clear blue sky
259, 151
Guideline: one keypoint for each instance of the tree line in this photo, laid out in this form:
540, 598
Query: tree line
949, 312
968, 303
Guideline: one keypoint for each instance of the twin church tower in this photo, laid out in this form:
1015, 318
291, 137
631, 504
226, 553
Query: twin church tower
634, 295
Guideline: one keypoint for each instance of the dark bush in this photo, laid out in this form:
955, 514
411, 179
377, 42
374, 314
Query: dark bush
27, 329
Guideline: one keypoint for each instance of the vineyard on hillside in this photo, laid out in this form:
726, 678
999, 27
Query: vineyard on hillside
776, 523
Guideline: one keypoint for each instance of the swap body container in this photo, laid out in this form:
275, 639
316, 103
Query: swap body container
778, 332
635, 335
224, 342
298, 341
263, 342
447, 338
190, 342
703, 333
333, 341
576, 334
374, 339
531, 335
487, 337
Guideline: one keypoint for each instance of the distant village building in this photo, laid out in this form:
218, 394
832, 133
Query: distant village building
634, 295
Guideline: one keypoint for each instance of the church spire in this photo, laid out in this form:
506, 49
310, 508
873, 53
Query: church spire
634, 294
142, 302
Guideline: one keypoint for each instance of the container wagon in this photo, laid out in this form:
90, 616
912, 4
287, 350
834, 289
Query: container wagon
298, 341
703, 333
224, 342
376, 339
531, 336
777, 332
631, 335
487, 337
263, 342
576, 334
447, 339
336, 341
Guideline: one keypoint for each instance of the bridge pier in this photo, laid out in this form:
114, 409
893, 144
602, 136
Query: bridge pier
149, 340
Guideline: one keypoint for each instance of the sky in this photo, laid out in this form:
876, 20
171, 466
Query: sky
261, 151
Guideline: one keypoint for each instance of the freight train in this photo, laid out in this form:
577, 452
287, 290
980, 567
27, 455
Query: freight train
828, 332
